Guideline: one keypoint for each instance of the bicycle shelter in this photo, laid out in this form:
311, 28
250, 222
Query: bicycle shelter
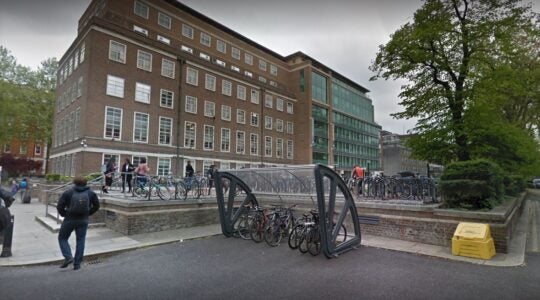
308, 187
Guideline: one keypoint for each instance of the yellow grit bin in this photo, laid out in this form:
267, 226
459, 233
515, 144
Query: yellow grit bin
473, 240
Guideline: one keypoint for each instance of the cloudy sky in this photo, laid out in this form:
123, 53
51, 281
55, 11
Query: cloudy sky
342, 34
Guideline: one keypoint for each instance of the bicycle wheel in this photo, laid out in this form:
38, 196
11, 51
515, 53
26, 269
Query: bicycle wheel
314, 245
164, 193
243, 226
256, 230
140, 192
305, 239
295, 236
180, 192
272, 233
195, 190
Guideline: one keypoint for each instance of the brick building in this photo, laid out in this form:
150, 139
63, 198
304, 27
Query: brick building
27, 149
159, 80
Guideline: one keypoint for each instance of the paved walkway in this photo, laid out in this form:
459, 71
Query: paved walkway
35, 244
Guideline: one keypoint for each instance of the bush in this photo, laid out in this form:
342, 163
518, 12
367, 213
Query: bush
514, 184
474, 184
53, 177
92, 176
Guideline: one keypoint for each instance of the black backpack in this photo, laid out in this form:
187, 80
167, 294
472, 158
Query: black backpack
79, 204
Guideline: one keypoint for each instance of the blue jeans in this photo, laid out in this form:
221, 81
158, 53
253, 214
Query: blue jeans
68, 226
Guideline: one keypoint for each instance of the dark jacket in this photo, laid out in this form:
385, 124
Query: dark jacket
189, 171
65, 199
6, 198
130, 168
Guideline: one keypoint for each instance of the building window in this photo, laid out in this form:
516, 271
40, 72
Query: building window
144, 61
187, 31
268, 122
235, 52
240, 116
262, 79
221, 46
225, 112
113, 122
136, 160
164, 166
254, 144
79, 87
77, 123
192, 76
164, 20
142, 92
37, 150
165, 130
262, 65
255, 96
318, 87
115, 86
240, 142
81, 53
210, 82
255, 119
226, 87
268, 146
248, 59
209, 109
290, 109
141, 9
279, 148
208, 137
279, 104
273, 70
290, 127
166, 98
241, 92
225, 140
290, 149
117, 52
7, 148
140, 128
190, 131
279, 125
268, 101
167, 68
23, 149
206, 39
191, 104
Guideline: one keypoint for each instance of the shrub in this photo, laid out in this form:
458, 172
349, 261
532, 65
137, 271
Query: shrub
53, 177
474, 184
514, 184
92, 176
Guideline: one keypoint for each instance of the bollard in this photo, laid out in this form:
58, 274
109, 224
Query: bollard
8, 237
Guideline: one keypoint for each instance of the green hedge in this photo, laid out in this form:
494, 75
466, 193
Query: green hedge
57, 177
514, 184
92, 176
474, 184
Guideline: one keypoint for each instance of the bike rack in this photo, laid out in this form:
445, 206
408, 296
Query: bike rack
325, 188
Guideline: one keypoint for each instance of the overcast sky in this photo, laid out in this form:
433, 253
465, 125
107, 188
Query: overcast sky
342, 34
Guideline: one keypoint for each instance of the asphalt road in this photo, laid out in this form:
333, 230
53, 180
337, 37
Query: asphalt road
228, 268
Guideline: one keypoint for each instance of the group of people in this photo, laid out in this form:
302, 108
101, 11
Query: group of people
19, 187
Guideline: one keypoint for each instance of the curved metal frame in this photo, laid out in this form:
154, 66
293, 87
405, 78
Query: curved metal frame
326, 206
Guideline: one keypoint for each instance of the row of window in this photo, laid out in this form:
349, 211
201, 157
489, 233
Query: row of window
192, 78
67, 129
23, 149
71, 64
70, 95
164, 20
117, 52
141, 123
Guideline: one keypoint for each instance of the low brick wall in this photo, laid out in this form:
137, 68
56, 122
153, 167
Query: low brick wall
133, 217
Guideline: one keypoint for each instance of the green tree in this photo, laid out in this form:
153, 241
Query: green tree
448, 49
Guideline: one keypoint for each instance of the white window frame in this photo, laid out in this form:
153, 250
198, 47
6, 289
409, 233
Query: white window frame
205, 136
192, 74
80, 87
279, 104
122, 53
142, 6
254, 116
262, 65
268, 101
188, 31
243, 144
290, 127
221, 46
241, 92
187, 142
255, 96
119, 127
225, 140
226, 87
161, 92
191, 108
171, 63
279, 148
290, 149
248, 59
203, 39
113, 86
273, 70
267, 146
140, 62
168, 26
254, 145
170, 132
290, 108
240, 112
143, 140
224, 115
235, 53
279, 125
209, 109
163, 171
212, 79
268, 122
142, 89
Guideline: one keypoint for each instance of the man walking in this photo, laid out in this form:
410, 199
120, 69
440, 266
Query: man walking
75, 205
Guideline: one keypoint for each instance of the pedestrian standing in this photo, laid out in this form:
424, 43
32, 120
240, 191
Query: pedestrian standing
14, 188
127, 169
109, 174
142, 172
210, 178
75, 205
23, 186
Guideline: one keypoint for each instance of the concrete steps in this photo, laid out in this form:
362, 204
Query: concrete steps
53, 225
